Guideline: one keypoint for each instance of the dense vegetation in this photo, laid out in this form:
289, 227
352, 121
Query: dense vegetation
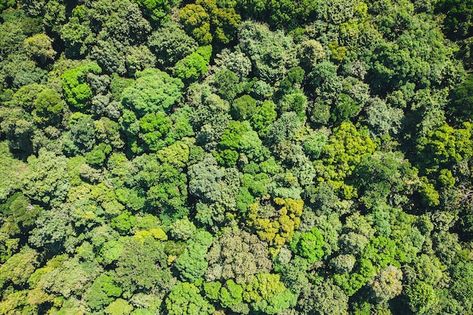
236, 157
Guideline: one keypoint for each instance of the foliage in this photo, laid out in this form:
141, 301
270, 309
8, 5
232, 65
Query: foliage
340, 155
267, 294
186, 299
209, 20
193, 66
76, 89
153, 90
276, 225
236, 157
192, 263
308, 245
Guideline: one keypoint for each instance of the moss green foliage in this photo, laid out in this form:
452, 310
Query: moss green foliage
152, 91
102, 292
251, 157
193, 67
185, 298
77, 91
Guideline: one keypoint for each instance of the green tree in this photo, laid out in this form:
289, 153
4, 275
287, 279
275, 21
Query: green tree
237, 255
445, 147
170, 44
152, 91
309, 245
40, 47
387, 284
192, 263
77, 91
461, 108
422, 297
158, 10
119, 307
459, 16
102, 292
142, 265
185, 298
41, 183
344, 150
209, 20
244, 107
17, 269
266, 293
48, 107
324, 298
237, 138
194, 66
272, 53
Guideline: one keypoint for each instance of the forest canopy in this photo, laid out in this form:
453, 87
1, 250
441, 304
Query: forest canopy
236, 157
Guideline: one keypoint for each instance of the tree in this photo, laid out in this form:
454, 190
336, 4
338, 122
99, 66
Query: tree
461, 108
41, 183
53, 232
382, 118
294, 102
272, 53
231, 295
277, 224
158, 10
237, 255
163, 184
77, 33
17, 269
154, 128
16, 301
244, 107
387, 284
39, 47
183, 229
196, 21
459, 16
102, 292
119, 24
185, 298
82, 133
267, 294
48, 107
153, 90
237, 138
263, 117
461, 289
192, 264
344, 150
77, 91
61, 277
209, 20
19, 215
19, 70
119, 307
445, 147
308, 245
194, 66
4, 4
422, 297
170, 44
142, 266
285, 128
386, 177
11, 170
345, 108
139, 58
324, 298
